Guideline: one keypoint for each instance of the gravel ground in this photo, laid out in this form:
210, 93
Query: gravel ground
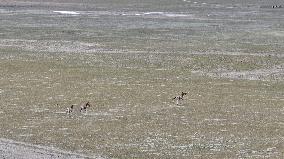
10, 149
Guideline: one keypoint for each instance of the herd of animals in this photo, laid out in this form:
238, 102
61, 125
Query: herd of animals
85, 106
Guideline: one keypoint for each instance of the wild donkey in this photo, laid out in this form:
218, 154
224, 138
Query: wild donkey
179, 98
85, 106
70, 110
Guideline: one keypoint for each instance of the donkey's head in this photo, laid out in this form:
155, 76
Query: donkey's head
88, 104
183, 94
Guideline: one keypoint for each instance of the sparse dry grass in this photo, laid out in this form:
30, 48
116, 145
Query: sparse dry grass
129, 67
132, 114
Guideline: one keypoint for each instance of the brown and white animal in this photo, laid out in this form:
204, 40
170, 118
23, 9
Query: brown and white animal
85, 106
179, 98
277, 6
70, 110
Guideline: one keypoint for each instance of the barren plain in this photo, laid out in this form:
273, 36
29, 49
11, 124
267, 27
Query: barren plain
129, 58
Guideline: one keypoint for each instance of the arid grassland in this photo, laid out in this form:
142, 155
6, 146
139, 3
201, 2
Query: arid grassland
129, 59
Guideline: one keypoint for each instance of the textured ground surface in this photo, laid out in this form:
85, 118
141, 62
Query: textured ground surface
129, 59
10, 149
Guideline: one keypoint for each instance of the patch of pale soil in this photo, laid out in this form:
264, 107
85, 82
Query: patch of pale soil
275, 33
49, 45
84, 47
10, 149
67, 12
238, 53
273, 74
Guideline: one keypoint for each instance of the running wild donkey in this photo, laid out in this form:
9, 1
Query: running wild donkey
85, 106
70, 110
179, 98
